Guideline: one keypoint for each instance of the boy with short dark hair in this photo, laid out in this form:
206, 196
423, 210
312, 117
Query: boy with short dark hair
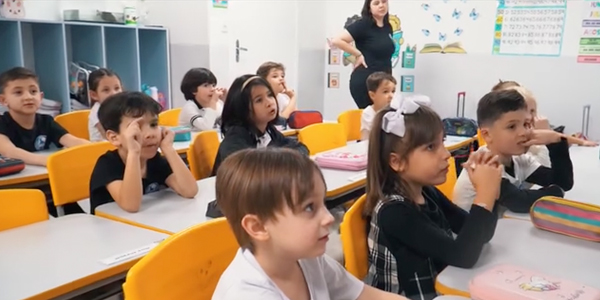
274, 74
274, 201
136, 167
506, 127
23, 131
381, 87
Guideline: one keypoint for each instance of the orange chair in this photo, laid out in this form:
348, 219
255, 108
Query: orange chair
169, 117
69, 171
185, 266
20, 207
75, 122
322, 137
351, 121
354, 239
202, 153
447, 188
480, 139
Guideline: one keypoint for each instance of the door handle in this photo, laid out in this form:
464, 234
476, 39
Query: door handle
238, 49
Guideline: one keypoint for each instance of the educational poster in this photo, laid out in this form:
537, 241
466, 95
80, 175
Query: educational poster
589, 43
407, 83
443, 24
220, 3
396, 38
408, 57
333, 80
529, 27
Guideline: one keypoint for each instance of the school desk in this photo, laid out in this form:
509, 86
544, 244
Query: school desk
453, 142
30, 176
519, 243
586, 172
64, 257
451, 298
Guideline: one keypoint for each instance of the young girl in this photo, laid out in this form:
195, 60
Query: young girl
249, 118
411, 223
274, 73
205, 102
102, 83
273, 199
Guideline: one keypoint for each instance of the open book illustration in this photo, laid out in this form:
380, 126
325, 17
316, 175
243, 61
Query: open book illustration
448, 48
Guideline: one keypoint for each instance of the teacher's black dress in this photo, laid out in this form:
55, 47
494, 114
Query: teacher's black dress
377, 46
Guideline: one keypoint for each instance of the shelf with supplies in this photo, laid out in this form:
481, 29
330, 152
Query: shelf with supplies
140, 55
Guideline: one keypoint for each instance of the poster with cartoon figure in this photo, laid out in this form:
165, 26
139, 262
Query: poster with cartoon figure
12, 9
396, 36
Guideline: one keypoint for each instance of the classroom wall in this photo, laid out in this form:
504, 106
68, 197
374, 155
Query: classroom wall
561, 85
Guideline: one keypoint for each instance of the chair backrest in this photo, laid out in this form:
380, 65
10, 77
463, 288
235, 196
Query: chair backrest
19, 207
351, 121
354, 239
202, 153
75, 122
187, 265
69, 171
322, 137
447, 188
480, 139
169, 117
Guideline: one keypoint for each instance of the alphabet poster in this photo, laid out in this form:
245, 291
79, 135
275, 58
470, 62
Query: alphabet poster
589, 43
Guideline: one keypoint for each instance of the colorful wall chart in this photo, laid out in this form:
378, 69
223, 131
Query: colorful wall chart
529, 27
589, 43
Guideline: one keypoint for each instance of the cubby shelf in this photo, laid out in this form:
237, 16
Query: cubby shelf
140, 55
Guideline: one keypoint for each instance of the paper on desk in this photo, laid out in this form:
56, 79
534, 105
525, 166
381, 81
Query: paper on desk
359, 176
129, 254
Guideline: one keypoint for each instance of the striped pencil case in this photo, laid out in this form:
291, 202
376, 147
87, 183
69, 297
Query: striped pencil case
567, 217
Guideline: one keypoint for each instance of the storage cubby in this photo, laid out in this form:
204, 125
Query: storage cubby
11, 54
140, 55
122, 56
44, 51
85, 43
154, 65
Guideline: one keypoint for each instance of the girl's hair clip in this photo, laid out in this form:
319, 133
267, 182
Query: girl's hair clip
393, 121
248, 81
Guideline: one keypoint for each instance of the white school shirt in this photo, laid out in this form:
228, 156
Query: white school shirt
524, 166
283, 101
199, 119
326, 279
366, 120
95, 135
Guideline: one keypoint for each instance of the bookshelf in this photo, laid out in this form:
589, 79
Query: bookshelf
140, 55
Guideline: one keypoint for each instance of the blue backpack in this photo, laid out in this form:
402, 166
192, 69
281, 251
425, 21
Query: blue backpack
460, 126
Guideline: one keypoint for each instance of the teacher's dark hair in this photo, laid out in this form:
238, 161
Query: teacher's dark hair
367, 14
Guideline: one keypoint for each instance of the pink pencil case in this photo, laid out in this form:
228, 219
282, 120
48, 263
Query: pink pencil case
506, 282
342, 161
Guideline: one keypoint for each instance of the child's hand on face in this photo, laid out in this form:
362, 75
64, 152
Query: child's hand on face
133, 135
290, 93
223, 93
167, 138
543, 137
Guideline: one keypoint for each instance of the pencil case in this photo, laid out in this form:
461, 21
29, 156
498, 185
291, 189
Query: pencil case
342, 161
567, 217
9, 166
507, 282
182, 133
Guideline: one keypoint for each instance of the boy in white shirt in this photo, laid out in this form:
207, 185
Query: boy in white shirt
381, 87
505, 125
205, 102
273, 198
274, 74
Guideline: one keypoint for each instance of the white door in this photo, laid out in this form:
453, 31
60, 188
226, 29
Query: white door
260, 31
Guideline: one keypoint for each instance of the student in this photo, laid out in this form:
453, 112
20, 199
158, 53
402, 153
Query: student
274, 73
249, 118
382, 87
410, 222
274, 202
204, 101
505, 125
102, 83
22, 130
503, 85
136, 167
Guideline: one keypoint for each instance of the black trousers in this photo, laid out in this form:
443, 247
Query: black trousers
358, 85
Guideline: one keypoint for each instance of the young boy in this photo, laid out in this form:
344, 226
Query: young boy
506, 127
204, 105
136, 167
274, 73
22, 130
381, 87
273, 198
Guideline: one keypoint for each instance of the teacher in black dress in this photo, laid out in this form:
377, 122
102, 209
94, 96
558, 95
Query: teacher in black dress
373, 47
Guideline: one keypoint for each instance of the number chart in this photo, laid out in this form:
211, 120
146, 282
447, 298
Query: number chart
529, 27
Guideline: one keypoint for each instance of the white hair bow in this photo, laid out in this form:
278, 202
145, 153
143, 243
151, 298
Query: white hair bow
393, 121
